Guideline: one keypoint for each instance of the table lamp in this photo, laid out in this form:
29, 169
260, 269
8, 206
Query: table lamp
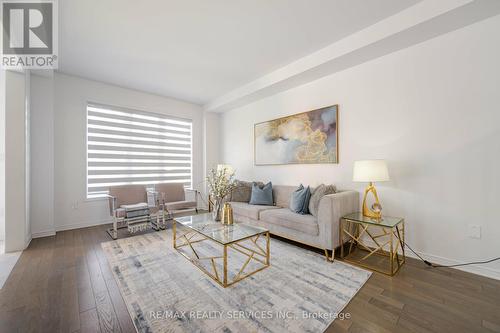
371, 171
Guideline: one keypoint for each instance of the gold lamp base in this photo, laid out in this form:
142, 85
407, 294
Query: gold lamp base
368, 212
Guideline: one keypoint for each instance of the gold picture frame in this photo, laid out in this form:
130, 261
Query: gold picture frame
308, 138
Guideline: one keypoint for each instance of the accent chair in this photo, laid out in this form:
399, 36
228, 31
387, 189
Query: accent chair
128, 205
171, 198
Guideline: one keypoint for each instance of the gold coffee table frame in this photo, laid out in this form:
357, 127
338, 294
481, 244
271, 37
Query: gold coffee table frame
258, 254
355, 229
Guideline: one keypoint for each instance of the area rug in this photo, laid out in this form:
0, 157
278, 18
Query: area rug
164, 292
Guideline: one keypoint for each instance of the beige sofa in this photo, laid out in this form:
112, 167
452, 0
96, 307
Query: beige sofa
321, 232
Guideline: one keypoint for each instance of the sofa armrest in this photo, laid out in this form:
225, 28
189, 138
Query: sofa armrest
331, 208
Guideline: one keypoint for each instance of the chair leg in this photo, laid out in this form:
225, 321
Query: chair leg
328, 258
156, 225
113, 232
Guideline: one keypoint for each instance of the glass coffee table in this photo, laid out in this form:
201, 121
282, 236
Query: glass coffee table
245, 248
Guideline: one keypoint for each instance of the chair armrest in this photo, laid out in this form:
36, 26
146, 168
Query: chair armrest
195, 194
112, 204
332, 208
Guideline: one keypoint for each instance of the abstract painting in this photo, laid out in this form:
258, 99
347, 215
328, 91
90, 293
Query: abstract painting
304, 138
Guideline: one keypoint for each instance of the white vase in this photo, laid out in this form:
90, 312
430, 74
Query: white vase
217, 210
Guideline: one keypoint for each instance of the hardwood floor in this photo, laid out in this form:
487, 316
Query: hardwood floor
64, 284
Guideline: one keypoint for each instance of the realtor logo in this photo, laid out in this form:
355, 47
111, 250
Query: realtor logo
29, 32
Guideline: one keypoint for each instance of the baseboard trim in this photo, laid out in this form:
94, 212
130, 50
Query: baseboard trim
28, 241
45, 233
81, 225
52, 232
474, 269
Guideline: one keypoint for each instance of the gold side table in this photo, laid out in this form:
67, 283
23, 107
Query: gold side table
365, 237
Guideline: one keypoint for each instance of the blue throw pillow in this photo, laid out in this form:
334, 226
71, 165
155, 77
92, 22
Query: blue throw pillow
297, 199
305, 207
262, 196
299, 202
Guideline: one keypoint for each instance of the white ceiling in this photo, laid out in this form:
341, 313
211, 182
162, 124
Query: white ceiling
199, 50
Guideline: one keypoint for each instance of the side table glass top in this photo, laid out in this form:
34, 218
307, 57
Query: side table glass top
385, 221
224, 234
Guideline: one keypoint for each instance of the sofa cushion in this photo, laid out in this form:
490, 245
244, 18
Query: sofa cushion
120, 212
136, 206
250, 211
262, 195
318, 193
178, 205
242, 191
282, 194
286, 218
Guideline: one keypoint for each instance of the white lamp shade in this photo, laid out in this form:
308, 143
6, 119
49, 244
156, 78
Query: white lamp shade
370, 171
229, 169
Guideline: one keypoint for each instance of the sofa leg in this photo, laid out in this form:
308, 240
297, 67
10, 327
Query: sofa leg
328, 258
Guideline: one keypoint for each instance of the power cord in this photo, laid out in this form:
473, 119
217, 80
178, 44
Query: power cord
430, 264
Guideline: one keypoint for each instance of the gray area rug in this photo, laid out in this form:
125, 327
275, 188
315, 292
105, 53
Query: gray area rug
164, 292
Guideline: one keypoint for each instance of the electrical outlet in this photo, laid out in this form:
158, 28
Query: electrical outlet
474, 231
74, 205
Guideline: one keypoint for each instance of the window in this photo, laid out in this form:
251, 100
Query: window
135, 147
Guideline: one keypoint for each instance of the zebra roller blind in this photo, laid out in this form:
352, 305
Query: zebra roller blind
134, 147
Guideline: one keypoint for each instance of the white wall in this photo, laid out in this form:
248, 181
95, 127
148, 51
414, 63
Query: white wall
211, 143
432, 111
16, 224
71, 94
211, 139
2, 156
42, 155
27, 158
